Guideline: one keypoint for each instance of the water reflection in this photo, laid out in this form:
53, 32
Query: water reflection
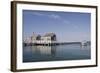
55, 53
44, 50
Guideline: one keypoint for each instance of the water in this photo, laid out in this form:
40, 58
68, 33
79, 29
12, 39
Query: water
56, 53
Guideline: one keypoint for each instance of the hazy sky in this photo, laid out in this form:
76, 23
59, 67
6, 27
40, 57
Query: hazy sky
68, 26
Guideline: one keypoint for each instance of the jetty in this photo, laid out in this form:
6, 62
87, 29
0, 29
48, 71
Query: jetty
51, 43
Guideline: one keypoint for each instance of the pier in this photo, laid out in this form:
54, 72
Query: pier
54, 43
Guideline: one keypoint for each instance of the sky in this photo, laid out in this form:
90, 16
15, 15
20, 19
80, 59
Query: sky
68, 26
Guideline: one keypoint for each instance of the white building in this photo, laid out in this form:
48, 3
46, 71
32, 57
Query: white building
47, 38
35, 38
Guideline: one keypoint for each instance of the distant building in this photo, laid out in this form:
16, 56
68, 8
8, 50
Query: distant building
35, 38
48, 38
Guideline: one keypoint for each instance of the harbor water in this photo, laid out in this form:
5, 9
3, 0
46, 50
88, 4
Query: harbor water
56, 53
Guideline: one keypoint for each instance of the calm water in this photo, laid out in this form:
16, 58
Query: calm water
55, 53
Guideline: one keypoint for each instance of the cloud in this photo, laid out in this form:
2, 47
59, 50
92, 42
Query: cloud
54, 16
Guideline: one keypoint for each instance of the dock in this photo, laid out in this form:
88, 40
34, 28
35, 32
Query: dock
51, 43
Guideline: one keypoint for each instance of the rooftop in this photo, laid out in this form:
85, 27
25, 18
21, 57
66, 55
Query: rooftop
49, 34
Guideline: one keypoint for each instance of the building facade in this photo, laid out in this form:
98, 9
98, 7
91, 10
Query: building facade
47, 38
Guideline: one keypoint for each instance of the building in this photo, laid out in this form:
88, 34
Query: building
47, 38
35, 38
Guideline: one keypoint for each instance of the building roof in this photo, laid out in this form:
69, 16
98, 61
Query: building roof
49, 34
35, 35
